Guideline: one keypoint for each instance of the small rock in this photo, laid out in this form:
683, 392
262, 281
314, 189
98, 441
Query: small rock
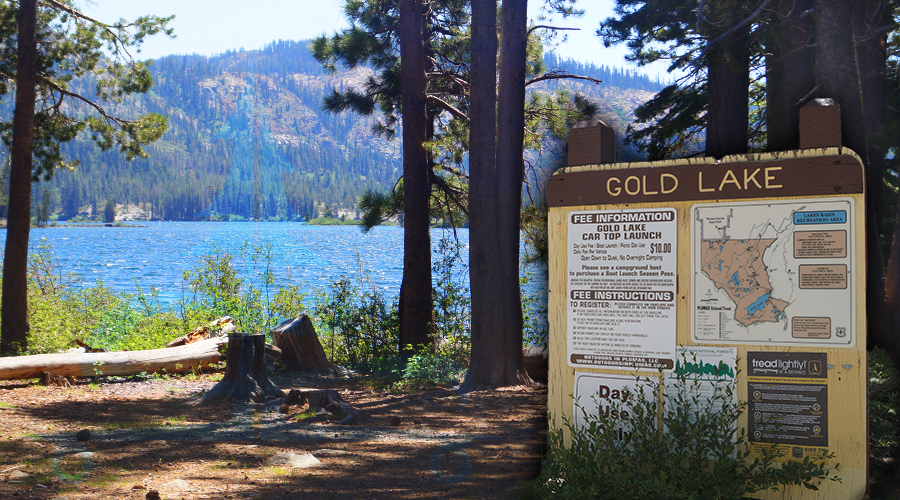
85, 455
349, 420
17, 475
176, 485
293, 460
83, 435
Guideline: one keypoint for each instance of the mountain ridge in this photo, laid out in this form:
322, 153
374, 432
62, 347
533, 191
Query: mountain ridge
248, 139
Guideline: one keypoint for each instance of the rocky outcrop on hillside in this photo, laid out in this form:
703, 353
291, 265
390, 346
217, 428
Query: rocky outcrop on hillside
124, 212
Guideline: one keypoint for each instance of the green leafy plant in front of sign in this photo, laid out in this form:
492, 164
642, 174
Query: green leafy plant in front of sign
676, 443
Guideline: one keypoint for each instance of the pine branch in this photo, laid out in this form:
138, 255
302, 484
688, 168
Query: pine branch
544, 27
455, 195
447, 107
63, 92
559, 75
77, 13
448, 75
730, 31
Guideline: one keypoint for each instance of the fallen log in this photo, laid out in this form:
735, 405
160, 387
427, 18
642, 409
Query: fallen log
218, 328
194, 356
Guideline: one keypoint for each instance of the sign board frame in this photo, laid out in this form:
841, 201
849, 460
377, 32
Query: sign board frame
790, 178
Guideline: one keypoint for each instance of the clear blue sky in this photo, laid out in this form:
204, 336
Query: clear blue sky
210, 27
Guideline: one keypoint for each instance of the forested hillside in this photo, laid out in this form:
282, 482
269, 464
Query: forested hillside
248, 138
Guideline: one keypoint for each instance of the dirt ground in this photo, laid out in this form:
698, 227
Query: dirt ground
150, 435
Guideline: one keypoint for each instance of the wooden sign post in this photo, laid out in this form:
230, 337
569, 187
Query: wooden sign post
759, 258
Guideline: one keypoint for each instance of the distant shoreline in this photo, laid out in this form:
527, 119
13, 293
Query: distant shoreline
138, 223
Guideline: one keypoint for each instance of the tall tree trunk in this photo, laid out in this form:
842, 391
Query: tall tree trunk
883, 291
416, 317
499, 351
728, 90
836, 69
838, 77
868, 17
790, 74
483, 272
14, 316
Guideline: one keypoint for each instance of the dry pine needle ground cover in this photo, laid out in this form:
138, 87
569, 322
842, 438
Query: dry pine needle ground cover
149, 435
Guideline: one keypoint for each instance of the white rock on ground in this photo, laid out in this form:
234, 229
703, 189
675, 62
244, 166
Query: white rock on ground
17, 475
294, 461
175, 485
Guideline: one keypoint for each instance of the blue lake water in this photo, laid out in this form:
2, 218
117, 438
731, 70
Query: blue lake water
157, 254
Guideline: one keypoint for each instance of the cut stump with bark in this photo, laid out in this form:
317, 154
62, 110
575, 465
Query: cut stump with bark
245, 377
327, 399
301, 349
535, 359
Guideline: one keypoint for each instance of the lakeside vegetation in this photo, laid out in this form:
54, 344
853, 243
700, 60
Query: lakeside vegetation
357, 321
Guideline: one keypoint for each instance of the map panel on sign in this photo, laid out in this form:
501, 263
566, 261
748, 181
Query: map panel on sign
773, 272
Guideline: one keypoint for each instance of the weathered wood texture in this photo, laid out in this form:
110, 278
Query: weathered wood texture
195, 356
245, 376
820, 124
591, 142
301, 349
847, 379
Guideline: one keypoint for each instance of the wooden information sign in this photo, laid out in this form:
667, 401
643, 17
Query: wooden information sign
756, 258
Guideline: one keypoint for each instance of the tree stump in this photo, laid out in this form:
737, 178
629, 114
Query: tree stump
301, 349
327, 399
245, 376
535, 359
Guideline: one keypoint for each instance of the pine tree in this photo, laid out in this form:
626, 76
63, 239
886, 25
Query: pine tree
50, 46
109, 211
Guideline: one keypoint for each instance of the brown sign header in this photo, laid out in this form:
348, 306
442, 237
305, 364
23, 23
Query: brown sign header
769, 178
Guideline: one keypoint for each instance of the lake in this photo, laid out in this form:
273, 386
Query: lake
156, 254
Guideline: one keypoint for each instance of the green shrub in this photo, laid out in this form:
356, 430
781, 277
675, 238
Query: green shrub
58, 314
434, 368
218, 288
355, 320
452, 303
672, 461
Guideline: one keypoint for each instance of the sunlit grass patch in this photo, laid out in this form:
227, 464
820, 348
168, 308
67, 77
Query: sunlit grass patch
306, 414
176, 420
117, 425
